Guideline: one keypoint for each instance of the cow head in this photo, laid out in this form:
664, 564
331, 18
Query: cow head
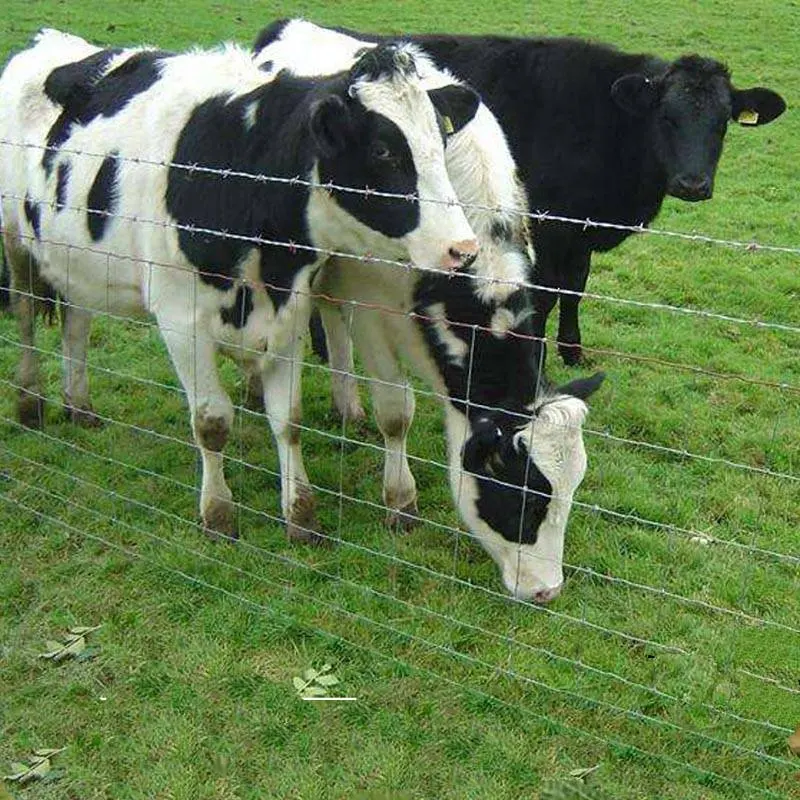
385, 133
515, 492
689, 107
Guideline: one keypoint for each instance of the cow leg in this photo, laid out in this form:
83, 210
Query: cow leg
24, 280
336, 321
74, 343
569, 334
281, 378
394, 405
194, 355
254, 392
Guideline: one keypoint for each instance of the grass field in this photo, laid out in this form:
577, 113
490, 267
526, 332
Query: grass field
671, 663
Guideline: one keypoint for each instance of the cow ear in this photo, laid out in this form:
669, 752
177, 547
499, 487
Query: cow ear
330, 125
456, 104
635, 94
756, 106
582, 388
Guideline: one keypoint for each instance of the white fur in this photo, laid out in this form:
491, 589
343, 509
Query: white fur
482, 171
140, 267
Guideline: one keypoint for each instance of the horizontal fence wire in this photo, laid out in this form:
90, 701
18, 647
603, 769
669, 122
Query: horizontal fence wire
626, 516
295, 563
286, 587
329, 186
710, 739
391, 557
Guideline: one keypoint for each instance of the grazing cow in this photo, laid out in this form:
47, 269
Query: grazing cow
108, 197
515, 447
597, 134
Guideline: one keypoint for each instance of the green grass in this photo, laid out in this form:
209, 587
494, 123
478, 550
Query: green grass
461, 693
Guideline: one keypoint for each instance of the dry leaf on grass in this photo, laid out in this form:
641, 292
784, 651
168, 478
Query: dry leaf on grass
38, 766
73, 646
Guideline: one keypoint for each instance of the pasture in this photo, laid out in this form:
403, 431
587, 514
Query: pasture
671, 661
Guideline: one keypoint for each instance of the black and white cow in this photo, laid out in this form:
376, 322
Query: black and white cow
515, 447
89, 207
597, 134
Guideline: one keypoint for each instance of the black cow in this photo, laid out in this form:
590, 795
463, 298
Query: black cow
597, 134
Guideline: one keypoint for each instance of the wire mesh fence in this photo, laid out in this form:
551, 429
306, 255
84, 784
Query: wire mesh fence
680, 560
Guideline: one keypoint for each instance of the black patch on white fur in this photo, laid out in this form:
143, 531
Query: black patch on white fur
86, 91
33, 215
102, 200
238, 314
498, 381
62, 179
281, 143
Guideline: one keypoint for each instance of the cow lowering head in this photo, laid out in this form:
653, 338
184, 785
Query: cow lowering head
689, 106
386, 133
520, 472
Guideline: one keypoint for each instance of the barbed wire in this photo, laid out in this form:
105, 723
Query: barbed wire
372, 591
448, 651
260, 241
413, 565
628, 516
344, 440
330, 186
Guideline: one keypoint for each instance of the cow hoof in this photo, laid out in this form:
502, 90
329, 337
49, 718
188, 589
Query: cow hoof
219, 521
306, 534
83, 417
301, 524
571, 354
30, 410
402, 520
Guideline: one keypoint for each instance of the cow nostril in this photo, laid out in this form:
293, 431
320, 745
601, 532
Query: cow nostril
546, 595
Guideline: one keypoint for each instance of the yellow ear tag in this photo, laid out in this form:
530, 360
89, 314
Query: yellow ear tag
448, 126
748, 117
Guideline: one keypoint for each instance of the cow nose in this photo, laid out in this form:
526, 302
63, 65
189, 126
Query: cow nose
546, 595
461, 254
692, 187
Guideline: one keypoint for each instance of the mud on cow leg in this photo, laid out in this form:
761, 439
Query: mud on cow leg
216, 506
302, 524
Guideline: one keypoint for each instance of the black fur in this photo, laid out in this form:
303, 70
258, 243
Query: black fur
33, 215
85, 91
497, 388
297, 121
597, 134
5, 282
580, 154
238, 314
62, 180
102, 200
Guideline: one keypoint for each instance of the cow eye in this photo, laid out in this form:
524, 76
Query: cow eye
381, 152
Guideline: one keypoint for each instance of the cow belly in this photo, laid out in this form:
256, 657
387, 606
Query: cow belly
94, 281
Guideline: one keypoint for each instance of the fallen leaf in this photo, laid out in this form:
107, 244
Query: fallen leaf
82, 631
794, 741
584, 772
73, 646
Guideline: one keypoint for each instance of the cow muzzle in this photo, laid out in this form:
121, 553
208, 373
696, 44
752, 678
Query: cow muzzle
692, 188
460, 255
